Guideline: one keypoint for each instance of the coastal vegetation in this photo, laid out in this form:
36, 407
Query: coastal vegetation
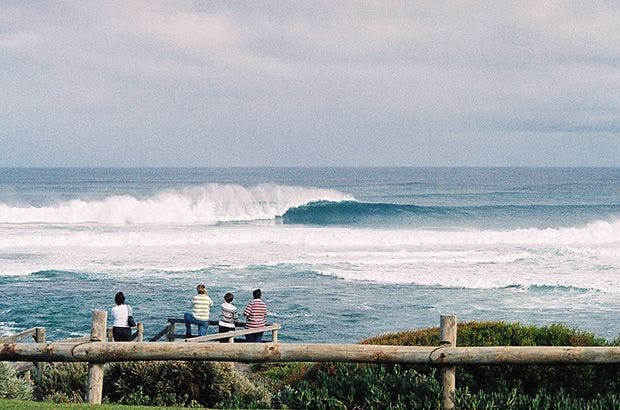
346, 385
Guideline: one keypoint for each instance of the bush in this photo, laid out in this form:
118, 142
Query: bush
195, 384
361, 386
577, 380
181, 384
370, 386
512, 400
64, 383
12, 386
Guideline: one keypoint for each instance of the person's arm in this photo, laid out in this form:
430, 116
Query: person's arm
248, 310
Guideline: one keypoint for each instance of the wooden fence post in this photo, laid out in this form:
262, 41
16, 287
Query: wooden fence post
140, 329
95, 370
171, 330
447, 337
39, 337
274, 336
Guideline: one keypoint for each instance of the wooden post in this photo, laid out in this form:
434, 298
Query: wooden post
39, 337
274, 336
140, 328
171, 330
95, 370
110, 335
447, 337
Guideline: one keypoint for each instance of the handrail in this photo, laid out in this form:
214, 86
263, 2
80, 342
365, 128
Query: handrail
21, 335
233, 334
176, 320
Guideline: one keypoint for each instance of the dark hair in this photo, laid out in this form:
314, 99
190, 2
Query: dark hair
228, 297
256, 294
119, 298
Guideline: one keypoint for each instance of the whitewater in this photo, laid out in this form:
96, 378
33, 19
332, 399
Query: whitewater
539, 247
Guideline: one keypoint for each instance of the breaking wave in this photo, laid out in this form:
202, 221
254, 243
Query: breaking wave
208, 204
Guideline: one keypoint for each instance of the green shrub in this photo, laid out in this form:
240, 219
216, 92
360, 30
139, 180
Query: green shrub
512, 400
12, 386
181, 384
63, 383
346, 385
577, 380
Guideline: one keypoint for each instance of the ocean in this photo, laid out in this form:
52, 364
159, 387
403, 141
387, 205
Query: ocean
340, 254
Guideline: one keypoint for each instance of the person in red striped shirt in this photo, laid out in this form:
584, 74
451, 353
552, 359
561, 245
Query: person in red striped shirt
255, 313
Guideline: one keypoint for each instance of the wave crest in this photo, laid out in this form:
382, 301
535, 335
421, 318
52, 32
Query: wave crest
211, 203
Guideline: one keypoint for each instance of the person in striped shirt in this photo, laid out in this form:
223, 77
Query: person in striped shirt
228, 316
255, 313
199, 316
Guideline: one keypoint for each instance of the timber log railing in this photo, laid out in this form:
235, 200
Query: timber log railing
97, 351
170, 332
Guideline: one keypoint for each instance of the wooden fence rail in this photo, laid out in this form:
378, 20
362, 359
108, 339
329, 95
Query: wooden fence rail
102, 352
38, 335
170, 331
97, 351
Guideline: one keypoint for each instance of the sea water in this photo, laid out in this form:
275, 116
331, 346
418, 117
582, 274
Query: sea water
341, 254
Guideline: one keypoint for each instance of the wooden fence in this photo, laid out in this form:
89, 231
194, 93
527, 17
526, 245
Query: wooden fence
97, 351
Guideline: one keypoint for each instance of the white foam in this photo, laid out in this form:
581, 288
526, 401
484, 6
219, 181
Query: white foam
8, 328
35, 235
210, 203
580, 257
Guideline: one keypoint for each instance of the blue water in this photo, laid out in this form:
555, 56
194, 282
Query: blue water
340, 253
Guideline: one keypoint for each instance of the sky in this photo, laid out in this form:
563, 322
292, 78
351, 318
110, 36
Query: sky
316, 83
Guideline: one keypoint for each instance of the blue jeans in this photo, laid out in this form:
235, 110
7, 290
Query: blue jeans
254, 337
191, 320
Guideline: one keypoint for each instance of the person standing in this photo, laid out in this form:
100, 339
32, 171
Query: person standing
255, 313
121, 332
199, 316
228, 316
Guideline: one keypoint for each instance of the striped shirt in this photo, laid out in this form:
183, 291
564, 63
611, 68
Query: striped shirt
201, 303
228, 316
256, 313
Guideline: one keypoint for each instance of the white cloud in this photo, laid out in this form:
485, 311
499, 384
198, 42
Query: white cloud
292, 70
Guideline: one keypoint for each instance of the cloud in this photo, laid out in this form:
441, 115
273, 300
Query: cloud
165, 74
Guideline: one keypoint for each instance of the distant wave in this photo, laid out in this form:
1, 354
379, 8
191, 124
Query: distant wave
211, 203
346, 212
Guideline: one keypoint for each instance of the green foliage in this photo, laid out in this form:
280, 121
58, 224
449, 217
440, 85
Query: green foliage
277, 375
512, 400
345, 386
63, 383
12, 386
495, 334
181, 383
578, 380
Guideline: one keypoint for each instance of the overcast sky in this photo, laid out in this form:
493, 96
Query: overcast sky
253, 83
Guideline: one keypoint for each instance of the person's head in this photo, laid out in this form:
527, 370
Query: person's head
119, 298
201, 289
256, 294
228, 297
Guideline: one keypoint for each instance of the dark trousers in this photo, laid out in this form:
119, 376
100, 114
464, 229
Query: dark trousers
224, 329
121, 334
254, 337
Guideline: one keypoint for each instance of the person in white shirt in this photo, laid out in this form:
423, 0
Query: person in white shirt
120, 313
199, 316
228, 316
